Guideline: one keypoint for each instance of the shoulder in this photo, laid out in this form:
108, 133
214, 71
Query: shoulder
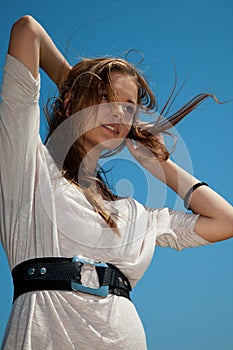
18, 82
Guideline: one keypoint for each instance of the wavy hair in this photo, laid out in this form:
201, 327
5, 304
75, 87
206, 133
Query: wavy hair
84, 84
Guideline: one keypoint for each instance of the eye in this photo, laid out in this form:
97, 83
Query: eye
130, 110
104, 97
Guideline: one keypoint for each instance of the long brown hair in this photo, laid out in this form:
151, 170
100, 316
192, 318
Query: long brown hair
84, 84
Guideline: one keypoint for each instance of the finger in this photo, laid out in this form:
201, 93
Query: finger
130, 145
133, 147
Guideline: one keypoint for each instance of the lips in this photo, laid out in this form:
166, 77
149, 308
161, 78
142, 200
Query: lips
114, 128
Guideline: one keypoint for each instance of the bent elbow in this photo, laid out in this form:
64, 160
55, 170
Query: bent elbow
24, 25
225, 229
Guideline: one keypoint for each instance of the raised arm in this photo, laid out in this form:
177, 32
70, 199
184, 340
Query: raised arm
31, 45
215, 222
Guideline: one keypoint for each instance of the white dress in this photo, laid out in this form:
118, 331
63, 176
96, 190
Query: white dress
42, 215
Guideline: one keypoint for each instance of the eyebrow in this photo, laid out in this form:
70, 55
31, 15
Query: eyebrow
130, 101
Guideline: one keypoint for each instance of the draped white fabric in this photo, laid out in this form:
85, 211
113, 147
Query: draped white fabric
41, 214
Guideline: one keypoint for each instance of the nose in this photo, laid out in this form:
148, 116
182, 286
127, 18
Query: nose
118, 111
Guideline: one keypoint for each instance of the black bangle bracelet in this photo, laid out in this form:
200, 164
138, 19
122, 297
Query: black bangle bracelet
190, 191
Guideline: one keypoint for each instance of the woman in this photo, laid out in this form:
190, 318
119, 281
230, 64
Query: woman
57, 210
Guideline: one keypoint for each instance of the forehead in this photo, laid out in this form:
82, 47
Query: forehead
125, 85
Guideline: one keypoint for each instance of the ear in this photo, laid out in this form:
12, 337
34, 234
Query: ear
66, 102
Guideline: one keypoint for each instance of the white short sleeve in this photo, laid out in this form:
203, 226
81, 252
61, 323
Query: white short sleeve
176, 229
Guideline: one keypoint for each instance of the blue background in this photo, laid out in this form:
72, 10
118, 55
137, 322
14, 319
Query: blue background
185, 299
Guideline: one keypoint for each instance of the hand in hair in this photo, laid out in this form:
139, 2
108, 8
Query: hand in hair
141, 152
146, 145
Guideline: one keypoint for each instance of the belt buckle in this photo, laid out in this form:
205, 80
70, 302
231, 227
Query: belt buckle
102, 291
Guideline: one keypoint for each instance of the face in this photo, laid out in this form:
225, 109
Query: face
113, 119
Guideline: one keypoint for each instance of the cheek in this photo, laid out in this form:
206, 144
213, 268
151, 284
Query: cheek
125, 131
113, 144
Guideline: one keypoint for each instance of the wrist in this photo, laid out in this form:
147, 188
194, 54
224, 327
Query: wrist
162, 170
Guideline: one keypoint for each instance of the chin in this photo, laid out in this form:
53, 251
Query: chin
110, 145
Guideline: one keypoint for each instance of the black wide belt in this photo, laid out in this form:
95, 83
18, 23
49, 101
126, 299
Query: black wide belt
55, 273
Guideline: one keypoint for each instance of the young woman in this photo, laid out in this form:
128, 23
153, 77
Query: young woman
75, 249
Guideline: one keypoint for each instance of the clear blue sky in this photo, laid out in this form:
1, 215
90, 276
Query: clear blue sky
185, 299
